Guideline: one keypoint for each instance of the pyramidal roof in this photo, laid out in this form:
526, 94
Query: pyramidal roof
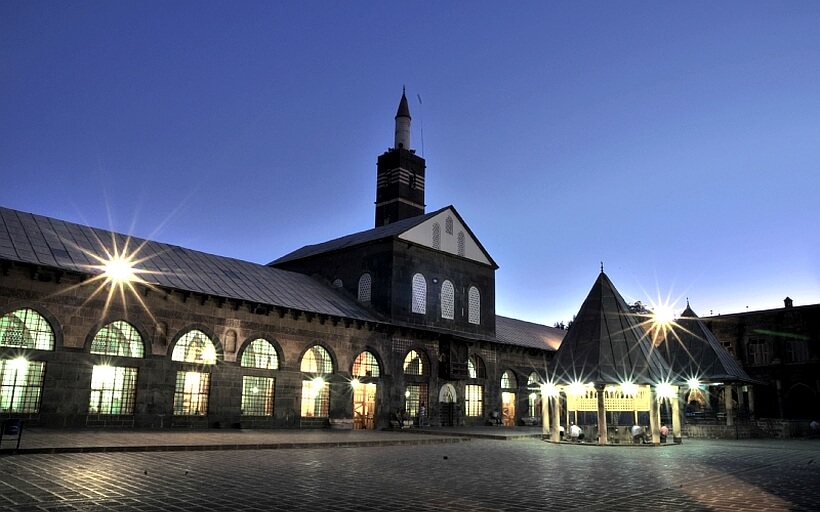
606, 343
694, 352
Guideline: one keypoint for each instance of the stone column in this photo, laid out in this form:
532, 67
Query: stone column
727, 398
556, 414
676, 418
751, 397
654, 416
545, 415
602, 433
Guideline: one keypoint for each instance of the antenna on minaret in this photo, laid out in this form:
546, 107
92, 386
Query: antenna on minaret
421, 124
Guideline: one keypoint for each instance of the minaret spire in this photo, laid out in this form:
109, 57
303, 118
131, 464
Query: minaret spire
403, 123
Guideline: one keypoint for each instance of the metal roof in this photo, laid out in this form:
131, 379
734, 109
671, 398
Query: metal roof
526, 334
606, 343
38, 240
694, 352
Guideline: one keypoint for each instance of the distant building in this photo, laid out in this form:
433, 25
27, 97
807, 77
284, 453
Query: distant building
359, 331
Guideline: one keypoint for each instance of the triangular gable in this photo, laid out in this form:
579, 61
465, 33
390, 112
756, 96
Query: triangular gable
448, 240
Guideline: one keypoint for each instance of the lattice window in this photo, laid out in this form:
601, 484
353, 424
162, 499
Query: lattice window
474, 305
416, 363
316, 361
118, 339
21, 385
533, 381
191, 394
260, 354
414, 396
436, 235
448, 300
759, 351
257, 395
476, 368
194, 347
315, 398
461, 243
337, 283
448, 225
26, 328
474, 400
113, 390
419, 294
365, 287
797, 351
366, 365
508, 380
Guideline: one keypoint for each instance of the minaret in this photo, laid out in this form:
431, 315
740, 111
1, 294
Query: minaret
399, 175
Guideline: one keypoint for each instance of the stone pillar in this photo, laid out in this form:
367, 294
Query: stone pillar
556, 414
545, 415
676, 418
654, 416
602, 433
751, 397
727, 399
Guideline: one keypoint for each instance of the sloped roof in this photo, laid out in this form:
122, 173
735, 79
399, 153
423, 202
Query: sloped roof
38, 240
606, 343
692, 351
394, 229
526, 334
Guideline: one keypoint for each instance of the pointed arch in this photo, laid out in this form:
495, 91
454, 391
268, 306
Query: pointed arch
416, 363
26, 328
118, 338
260, 353
194, 347
366, 365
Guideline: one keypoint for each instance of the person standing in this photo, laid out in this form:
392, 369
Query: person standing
422, 414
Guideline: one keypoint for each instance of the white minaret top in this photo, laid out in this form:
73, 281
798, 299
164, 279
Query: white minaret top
403, 124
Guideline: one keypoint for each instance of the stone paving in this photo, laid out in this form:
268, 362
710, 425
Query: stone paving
470, 474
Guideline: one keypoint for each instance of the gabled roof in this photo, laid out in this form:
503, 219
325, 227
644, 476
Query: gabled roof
38, 240
606, 343
692, 351
399, 229
510, 331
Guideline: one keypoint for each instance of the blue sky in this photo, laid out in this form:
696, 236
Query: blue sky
677, 142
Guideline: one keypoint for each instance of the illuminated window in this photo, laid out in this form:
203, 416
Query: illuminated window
260, 354
315, 398
460, 243
414, 396
118, 339
365, 287
194, 347
474, 400
416, 364
534, 397
508, 380
448, 300
475, 368
474, 305
191, 394
113, 390
257, 396
316, 361
21, 385
26, 328
448, 225
419, 294
366, 365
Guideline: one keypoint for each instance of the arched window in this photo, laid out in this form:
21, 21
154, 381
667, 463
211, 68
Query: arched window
260, 354
21, 380
257, 390
460, 243
365, 287
315, 390
114, 388
26, 328
118, 339
366, 365
192, 387
475, 367
448, 225
337, 283
416, 363
448, 300
419, 294
436, 235
474, 305
534, 396
508, 380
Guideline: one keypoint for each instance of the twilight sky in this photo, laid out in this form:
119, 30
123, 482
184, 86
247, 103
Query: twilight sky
677, 142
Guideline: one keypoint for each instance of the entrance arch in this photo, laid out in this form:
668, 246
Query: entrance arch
448, 398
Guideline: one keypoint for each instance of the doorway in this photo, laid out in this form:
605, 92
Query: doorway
364, 406
508, 409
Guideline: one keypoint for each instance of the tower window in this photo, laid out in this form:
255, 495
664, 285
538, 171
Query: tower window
436, 236
419, 294
448, 225
365, 287
474, 305
447, 300
461, 243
